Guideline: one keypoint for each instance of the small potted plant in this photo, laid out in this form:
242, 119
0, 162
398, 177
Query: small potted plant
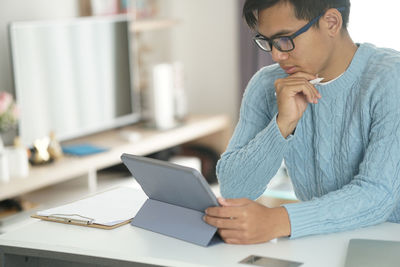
8, 114
8, 119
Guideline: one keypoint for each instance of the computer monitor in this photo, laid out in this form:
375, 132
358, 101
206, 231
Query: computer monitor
73, 76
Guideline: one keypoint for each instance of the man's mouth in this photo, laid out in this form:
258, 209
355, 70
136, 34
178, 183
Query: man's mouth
289, 69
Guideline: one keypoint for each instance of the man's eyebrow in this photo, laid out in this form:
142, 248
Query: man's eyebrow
280, 33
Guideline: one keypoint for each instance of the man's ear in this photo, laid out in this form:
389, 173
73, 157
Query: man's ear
332, 21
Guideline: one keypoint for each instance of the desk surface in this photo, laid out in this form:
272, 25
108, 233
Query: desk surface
132, 244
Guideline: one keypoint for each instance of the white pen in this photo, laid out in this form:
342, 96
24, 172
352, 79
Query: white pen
316, 81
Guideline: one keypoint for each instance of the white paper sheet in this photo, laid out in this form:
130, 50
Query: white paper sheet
108, 208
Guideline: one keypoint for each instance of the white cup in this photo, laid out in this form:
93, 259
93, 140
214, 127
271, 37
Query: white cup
4, 170
17, 162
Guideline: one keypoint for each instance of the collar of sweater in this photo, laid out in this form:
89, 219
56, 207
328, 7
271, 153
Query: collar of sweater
353, 72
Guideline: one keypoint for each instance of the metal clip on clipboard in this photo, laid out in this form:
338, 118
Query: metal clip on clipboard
67, 218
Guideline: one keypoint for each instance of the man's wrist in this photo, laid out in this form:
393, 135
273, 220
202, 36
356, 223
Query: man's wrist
286, 129
283, 228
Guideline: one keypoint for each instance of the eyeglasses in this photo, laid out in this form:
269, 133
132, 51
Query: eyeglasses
285, 43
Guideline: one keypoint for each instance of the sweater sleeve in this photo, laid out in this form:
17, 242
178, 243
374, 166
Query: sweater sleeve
256, 150
371, 197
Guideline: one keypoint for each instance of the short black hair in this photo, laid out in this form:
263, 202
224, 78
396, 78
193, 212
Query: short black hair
304, 9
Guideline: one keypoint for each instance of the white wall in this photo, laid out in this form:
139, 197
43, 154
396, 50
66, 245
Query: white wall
375, 22
207, 42
17, 10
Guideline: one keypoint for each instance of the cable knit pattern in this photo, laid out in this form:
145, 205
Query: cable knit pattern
344, 158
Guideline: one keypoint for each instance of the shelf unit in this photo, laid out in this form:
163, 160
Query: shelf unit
138, 29
152, 24
151, 140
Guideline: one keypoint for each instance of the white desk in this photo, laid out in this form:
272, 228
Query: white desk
130, 246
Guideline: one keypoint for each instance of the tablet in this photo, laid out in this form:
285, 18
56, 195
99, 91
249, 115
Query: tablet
372, 253
171, 183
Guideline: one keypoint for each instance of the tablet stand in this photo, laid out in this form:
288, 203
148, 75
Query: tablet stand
175, 221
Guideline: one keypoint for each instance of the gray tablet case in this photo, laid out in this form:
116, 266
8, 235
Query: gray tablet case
373, 253
178, 197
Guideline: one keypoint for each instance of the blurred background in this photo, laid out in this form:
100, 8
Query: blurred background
83, 81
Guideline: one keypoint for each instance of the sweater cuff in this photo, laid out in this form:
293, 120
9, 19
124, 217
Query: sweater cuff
275, 130
303, 218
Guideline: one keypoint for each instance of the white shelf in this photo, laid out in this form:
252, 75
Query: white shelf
151, 141
152, 24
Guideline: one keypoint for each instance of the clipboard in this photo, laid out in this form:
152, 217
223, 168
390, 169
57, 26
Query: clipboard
107, 210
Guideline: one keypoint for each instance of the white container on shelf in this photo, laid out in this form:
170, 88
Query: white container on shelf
18, 166
4, 170
180, 99
161, 97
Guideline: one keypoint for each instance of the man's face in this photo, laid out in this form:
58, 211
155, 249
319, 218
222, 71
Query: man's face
312, 48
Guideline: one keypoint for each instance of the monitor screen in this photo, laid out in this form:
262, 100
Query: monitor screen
73, 77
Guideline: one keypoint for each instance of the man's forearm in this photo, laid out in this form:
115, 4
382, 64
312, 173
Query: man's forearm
245, 172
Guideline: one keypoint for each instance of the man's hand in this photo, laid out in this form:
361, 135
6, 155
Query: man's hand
293, 95
242, 221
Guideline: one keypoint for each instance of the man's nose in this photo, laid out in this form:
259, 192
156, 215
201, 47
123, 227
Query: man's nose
277, 55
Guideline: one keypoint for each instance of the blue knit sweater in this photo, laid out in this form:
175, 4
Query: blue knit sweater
344, 157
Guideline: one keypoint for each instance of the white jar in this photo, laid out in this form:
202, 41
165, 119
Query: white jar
17, 162
4, 170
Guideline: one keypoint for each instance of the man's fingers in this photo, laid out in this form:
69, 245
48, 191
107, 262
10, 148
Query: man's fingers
232, 202
314, 92
307, 89
222, 223
241, 242
233, 241
224, 212
309, 93
296, 86
237, 237
230, 234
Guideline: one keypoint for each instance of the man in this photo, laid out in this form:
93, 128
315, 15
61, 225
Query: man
340, 139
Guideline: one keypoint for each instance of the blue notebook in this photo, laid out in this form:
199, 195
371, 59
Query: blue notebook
83, 149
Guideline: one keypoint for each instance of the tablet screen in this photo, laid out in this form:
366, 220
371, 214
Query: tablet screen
171, 183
